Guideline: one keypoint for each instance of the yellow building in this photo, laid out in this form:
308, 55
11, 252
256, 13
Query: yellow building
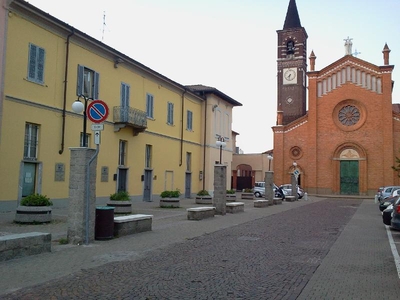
159, 134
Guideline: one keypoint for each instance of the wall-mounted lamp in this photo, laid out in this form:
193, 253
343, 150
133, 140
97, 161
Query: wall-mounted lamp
214, 107
117, 61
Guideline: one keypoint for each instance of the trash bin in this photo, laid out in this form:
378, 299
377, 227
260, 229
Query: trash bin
104, 223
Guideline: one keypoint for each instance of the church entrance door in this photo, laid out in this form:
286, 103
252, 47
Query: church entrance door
349, 181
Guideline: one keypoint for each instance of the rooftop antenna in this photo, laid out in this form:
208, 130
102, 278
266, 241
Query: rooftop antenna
104, 25
356, 53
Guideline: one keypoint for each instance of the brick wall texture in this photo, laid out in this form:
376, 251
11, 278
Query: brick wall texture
318, 141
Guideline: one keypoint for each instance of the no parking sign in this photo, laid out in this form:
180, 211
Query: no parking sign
97, 111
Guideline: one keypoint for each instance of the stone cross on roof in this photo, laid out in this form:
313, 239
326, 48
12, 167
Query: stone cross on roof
348, 45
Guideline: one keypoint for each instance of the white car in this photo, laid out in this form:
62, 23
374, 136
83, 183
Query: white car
287, 188
259, 189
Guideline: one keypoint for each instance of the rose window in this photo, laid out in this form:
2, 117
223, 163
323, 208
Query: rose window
349, 115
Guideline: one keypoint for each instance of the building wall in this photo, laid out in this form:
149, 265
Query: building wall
316, 142
219, 124
42, 104
258, 161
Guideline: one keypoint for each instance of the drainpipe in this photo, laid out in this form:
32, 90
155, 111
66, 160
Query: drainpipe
65, 92
182, 116
204, 148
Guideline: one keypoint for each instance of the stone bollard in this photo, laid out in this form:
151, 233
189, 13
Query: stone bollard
376, 199
305, 196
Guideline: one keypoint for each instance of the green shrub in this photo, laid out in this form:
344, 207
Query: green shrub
120, 196
36, 200
248, 190
170, 194
203, 193
230, 192
63, 241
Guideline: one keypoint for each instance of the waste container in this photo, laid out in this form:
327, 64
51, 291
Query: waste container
104, 223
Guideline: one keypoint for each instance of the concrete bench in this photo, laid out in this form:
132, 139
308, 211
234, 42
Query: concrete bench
24, 244
277, 201
234, 207
200, 213
290, 198
261, 203
131, 224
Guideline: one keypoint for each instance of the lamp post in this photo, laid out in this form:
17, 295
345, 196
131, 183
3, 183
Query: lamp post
220, 143
294, 169
270, 157
78, 107
294, 181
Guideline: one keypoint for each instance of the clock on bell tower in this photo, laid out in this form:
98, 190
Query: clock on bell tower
292, 67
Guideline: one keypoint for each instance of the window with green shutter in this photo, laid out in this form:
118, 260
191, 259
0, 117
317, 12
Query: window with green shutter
88, 83
36, 64
150, 106
170, 113
189, 121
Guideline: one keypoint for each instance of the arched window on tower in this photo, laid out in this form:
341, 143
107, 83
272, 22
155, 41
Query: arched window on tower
290, 47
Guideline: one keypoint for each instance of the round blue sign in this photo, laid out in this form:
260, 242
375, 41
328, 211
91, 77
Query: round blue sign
97, 111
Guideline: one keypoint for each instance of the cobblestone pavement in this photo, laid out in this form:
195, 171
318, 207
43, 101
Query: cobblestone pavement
273, 257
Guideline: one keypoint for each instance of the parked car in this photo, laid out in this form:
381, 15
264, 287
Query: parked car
288, 189
387, 215
395, 222
379, 192
386, 202
259, 190
387, 190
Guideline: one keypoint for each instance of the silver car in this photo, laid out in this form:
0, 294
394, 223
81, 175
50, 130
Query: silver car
259, 189
287, 188
387, 191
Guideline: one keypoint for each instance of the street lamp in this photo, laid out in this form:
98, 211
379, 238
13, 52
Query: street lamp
78, 107
220, 143
270, 157
294, 170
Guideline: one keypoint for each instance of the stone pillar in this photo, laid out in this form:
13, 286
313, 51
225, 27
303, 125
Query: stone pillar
269, 186
294, 186
219, 199
80, 158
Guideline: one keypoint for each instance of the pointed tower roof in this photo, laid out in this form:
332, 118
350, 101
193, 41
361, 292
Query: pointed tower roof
292, 16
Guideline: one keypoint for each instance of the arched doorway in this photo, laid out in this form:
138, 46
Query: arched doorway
351, 160
244, 177
298, 171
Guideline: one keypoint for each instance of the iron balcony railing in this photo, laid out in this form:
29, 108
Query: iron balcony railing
131, 117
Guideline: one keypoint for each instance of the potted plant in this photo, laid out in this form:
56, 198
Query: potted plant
247, 194
170, 199
35, 208
230, 195
203, 197
121, 202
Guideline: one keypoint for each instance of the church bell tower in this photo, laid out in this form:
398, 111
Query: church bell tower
292, 67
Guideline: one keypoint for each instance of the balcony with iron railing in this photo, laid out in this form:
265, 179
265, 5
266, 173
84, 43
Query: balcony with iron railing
125, 116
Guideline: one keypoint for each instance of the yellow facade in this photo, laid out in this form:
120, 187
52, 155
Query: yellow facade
42, 104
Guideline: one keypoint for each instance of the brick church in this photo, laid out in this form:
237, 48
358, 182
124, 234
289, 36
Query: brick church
347, 140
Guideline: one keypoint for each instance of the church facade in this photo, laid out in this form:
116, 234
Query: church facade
345, 141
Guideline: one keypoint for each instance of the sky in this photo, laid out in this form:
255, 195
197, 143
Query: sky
231, 45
